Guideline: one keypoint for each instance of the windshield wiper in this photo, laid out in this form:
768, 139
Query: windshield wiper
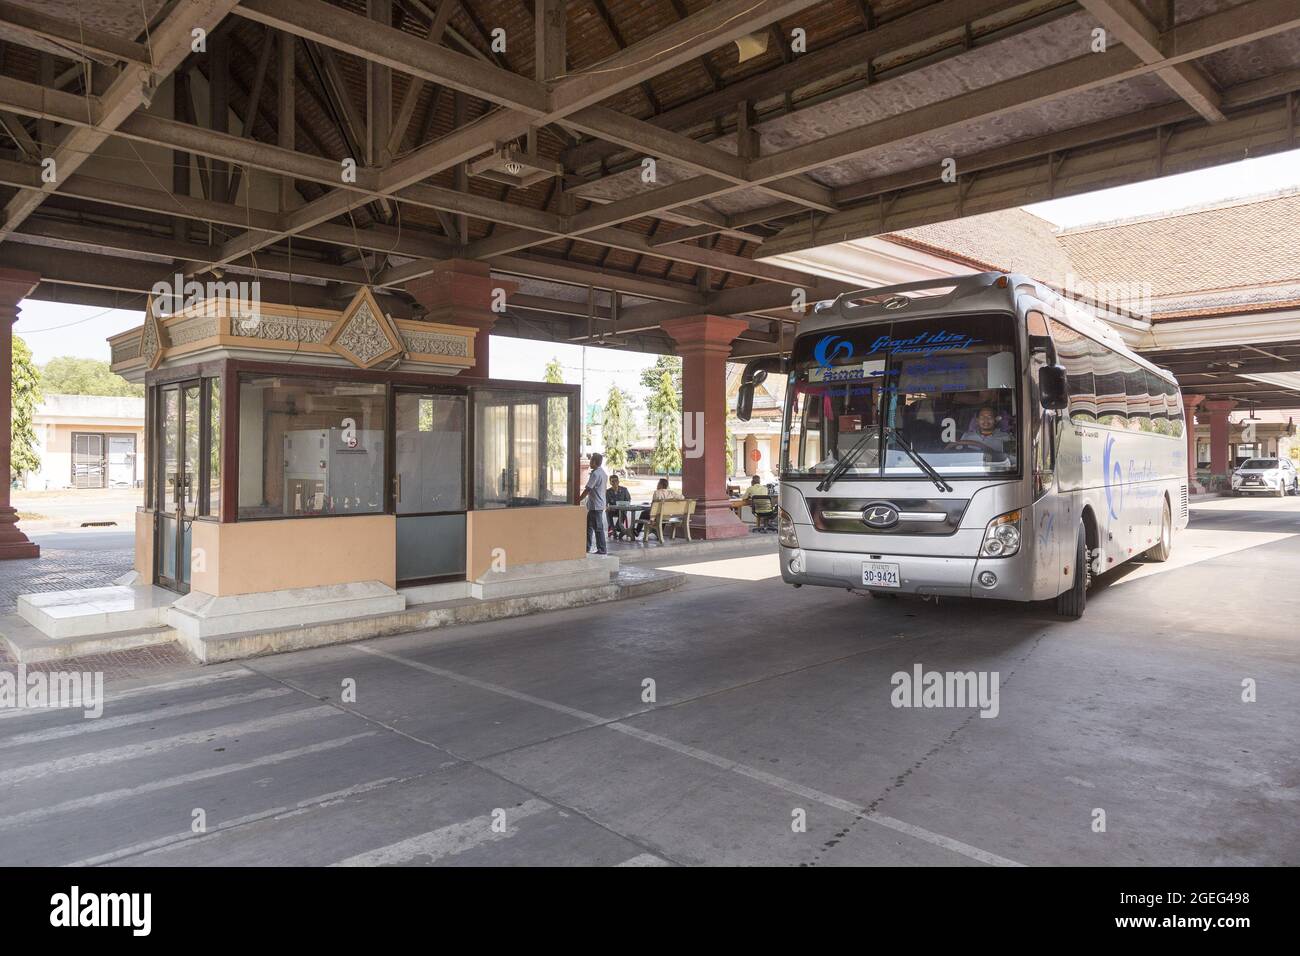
845, 463
921, 463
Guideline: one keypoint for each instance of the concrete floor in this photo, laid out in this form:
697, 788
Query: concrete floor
769, 701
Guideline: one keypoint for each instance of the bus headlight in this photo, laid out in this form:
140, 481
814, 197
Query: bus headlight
1002, 536
785, 530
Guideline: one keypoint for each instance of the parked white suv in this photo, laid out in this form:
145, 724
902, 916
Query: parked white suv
1274, 476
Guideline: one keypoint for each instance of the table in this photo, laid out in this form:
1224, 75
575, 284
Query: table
623, 508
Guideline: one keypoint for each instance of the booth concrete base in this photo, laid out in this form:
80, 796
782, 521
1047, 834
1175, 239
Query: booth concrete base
65, 624
198, 615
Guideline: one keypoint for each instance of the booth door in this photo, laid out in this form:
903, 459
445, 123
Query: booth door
176, 483
429, 484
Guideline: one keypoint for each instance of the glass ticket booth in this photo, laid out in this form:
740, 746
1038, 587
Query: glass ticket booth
238, 442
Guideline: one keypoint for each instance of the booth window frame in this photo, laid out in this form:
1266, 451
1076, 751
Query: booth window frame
230, 371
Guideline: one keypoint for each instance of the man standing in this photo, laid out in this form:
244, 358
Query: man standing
594, 494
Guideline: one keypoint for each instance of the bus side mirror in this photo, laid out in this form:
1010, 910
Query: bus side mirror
745, 401
1052, 389
755, 374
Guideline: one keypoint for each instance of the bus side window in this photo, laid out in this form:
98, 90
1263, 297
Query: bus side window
1075, 355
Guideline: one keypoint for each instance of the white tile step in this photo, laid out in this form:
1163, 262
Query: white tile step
96, 611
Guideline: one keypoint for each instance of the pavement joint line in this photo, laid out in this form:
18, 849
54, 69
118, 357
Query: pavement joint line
724, 763
110, 796
461, 759
99, 758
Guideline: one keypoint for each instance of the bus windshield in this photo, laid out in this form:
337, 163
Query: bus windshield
947, 385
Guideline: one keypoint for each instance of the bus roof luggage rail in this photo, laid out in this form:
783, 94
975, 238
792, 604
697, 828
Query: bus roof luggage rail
843, 304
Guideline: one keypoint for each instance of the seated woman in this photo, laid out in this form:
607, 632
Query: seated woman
661, 493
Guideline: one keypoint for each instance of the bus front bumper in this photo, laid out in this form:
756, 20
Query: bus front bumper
918, 574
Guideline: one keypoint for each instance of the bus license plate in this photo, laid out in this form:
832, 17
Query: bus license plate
876, 574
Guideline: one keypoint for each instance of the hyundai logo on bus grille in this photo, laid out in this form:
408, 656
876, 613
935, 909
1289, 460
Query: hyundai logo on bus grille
895, 302
880, 514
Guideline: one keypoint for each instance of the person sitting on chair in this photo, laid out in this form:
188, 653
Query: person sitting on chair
754, 489
613, 496
661, 493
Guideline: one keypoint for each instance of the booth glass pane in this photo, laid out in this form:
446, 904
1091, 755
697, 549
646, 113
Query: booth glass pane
171, 423
310, 447
555, 476
521, 454
190, 501
213, 386
430, 452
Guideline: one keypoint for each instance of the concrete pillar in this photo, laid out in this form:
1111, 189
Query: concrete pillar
1219, 437
1189, 430
750, 466
14, 285
704, 343
460, 292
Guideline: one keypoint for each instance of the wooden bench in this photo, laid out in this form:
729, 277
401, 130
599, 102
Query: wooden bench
671, 513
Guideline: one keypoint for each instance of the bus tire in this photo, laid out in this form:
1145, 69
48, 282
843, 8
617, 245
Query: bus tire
1161, 550
1071, 602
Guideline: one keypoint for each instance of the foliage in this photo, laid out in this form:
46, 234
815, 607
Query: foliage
557, 424
25, 395
68, 375
666, 418
618, 430
670, 364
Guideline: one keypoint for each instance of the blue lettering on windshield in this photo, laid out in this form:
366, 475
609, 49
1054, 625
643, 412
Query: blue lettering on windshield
923, 343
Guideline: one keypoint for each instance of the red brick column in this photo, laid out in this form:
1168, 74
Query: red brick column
1219, 409
14, 285
1189, 429
704, 343
459, 292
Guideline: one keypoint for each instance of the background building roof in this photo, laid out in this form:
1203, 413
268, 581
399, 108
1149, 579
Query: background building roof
1237, 255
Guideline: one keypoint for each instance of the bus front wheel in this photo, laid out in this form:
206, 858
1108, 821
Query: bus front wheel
1071, 602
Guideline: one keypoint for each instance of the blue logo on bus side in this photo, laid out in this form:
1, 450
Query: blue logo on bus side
1113, 478
825, 351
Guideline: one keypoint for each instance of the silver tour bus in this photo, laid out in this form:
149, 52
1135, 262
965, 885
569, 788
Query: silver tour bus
977, 436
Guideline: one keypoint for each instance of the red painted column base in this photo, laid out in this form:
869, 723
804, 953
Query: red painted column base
13, 543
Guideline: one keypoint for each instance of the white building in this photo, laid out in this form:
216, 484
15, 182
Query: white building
88, 441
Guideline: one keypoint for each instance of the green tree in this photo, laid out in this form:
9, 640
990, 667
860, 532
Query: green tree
670, 364
24, 395
666, 419
68, 375
618, 429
